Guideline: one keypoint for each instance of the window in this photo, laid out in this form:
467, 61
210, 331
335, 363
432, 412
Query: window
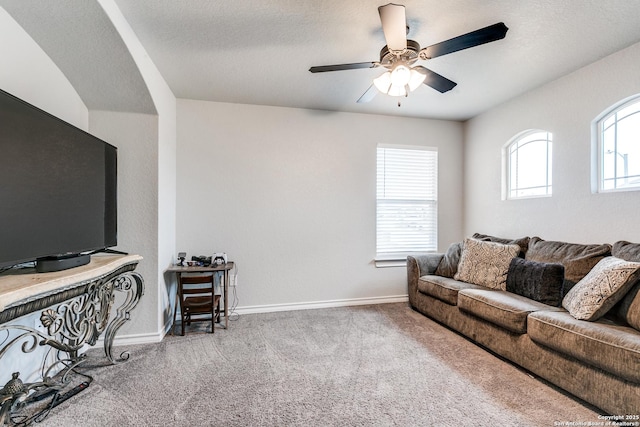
618, 133
528, 165
407, 201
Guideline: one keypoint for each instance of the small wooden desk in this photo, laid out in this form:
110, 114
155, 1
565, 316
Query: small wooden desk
178, 270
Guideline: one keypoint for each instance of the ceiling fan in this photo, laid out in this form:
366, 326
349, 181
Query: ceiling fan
399, 55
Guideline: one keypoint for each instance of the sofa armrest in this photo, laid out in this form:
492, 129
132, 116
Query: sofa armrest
418, 266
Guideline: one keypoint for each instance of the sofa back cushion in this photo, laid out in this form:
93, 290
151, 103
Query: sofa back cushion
626, 250
538, 281
577, 259
485, 263
629, 308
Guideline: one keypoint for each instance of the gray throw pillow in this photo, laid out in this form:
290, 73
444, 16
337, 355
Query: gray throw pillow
448, 266
601, 288
538, 281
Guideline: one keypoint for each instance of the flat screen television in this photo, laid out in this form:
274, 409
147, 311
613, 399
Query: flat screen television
58, 199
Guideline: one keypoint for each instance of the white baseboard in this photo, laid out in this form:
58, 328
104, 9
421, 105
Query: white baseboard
135, 339
319, 304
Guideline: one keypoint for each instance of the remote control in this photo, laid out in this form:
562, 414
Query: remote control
65, 396
43, 395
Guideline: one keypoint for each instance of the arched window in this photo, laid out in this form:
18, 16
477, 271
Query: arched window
528, 165
618, 137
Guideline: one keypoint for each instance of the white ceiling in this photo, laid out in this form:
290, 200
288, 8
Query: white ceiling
252, 52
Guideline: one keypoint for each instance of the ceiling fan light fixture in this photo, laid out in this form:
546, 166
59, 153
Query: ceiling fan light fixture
383, 83
416, 79
397, 91
400, 75
399, 81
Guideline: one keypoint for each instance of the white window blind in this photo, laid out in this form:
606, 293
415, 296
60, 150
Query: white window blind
407, 201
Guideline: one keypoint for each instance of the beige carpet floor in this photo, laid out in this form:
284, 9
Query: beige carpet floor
379, 365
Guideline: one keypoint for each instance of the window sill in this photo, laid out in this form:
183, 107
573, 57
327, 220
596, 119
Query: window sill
386, 263
618, 190
537, 196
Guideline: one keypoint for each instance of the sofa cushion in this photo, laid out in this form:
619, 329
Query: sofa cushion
502, 308
539, 281
626, 250
610, 347
485, 263
628, 309
443, 288
577, 259
448, 265
599, 290
523, 242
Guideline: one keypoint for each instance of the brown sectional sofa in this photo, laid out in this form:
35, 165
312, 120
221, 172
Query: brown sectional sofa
597, 361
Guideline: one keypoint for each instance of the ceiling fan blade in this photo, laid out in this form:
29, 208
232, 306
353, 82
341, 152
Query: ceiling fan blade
368, 95
475, 38
394, 26
340, 67
435, 80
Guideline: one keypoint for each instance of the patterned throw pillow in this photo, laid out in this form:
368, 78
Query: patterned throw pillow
523, 242
485, 263
601, 288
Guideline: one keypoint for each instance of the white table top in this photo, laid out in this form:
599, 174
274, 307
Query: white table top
17, 286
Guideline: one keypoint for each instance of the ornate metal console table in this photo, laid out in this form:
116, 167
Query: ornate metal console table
75, 307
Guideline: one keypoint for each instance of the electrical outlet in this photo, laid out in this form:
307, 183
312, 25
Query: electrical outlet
233, 281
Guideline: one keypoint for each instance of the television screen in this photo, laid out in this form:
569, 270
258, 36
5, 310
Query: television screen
57, 186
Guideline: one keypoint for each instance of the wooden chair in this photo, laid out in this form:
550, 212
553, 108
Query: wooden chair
197, 298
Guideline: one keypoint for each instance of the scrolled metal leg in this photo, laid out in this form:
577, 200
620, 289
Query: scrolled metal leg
133, 285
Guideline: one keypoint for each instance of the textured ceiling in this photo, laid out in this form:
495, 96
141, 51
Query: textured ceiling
252, 52
79, 37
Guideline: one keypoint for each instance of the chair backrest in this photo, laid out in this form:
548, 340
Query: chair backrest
205, 281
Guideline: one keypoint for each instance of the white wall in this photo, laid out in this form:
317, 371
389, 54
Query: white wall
28, 73
565, 107
289, 194
136, 136
162, 155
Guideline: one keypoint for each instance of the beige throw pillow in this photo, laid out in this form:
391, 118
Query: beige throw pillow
601, 288
485, 263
